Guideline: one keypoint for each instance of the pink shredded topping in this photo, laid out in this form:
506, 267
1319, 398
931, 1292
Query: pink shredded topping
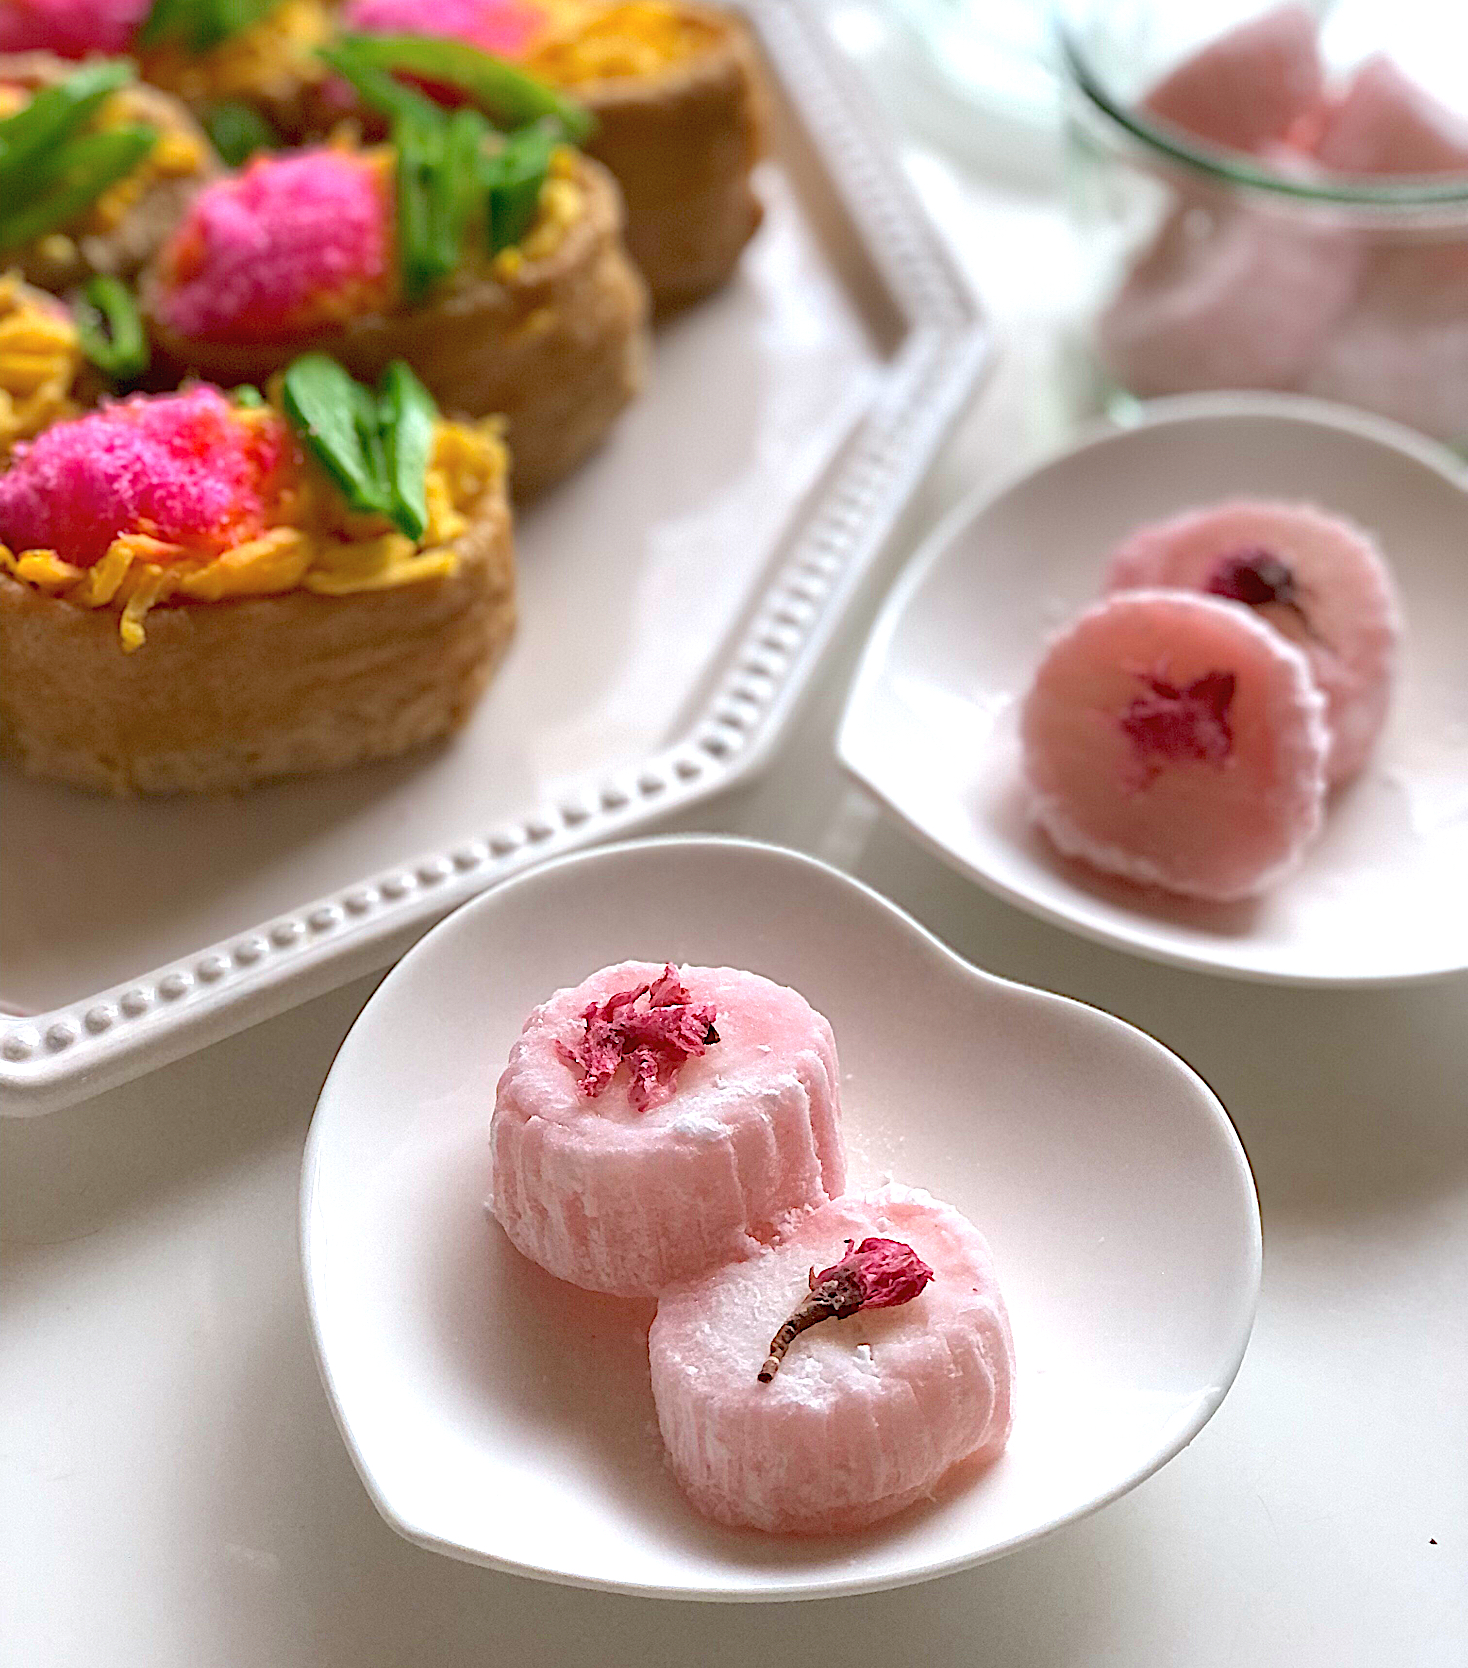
181, 467
885, 1271
654, 1038
503, 27
1175, 722
70, 28
289, 242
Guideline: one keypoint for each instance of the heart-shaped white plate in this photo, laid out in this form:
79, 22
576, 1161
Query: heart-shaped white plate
500, 1416
930, 723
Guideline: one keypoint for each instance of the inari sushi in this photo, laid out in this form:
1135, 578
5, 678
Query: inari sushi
528, 307
95, 169
679, 105
201, 591
895, 1365
654, 1122
213, 54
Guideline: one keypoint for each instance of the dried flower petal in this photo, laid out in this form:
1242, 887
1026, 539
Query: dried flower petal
877, 1274
886, 1271
654, 1040
1182, 721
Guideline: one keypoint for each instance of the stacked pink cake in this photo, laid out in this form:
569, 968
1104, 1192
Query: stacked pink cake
675, 1132
1185, 731
1252, 289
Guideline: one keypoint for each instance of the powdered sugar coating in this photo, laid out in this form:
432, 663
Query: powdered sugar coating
503, 27
623, 1200
71, 28
1220, 827
1346, 623
291, 241
866, 1415
180, 467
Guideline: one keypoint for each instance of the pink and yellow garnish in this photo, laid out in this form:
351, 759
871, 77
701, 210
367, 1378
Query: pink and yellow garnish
188, 497
505, 28
291, 243
186, 470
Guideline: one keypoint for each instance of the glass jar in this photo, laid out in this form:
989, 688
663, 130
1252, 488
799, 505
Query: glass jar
1209, 268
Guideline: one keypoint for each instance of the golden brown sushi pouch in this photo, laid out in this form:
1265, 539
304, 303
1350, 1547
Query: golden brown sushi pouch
209, 606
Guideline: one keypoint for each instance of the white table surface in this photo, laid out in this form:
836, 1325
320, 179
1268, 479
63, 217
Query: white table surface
175, 1494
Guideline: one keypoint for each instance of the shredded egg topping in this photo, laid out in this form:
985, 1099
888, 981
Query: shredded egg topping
562, 203
178, 154
317, 543
589, 40
273, 58
40, 357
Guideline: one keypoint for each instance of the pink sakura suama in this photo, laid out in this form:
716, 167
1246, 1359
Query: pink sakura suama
652, 1027
1385, 124
1249, 86
71, 28
1402, 349
1316, 578
630, 1149
1228, 295
183, 468
505, 28
293, 240
1179, 741
871, 1409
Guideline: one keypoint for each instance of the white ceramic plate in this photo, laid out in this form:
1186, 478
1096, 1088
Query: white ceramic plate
930, 725
504, 1418
675, 597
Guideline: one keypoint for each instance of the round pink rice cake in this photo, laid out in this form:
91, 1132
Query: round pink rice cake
866, 1415
625, 1193
1178, 741
1316, 578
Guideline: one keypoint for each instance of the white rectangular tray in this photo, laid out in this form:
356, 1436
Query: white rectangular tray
675, 598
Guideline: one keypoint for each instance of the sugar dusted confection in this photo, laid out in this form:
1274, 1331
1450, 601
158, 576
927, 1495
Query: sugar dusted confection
1179, 741
654, 1122
867, 1413
1227, 296
1248, 86
1314, 577
1384, 123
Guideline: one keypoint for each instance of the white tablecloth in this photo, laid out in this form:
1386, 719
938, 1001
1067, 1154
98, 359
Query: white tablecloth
176, 1495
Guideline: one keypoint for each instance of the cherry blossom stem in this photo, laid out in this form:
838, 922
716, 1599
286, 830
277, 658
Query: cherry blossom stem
832, 1299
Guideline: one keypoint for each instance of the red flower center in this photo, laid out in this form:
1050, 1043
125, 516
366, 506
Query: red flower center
1173, 722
